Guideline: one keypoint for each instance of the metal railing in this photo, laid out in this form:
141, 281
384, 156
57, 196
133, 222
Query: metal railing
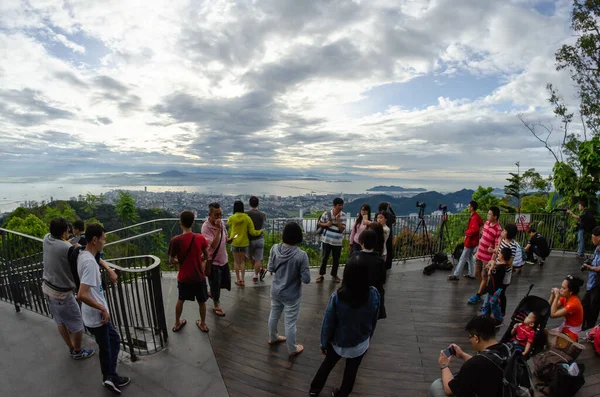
410, 239
135, 302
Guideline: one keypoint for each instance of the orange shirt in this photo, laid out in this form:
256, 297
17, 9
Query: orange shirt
575, 310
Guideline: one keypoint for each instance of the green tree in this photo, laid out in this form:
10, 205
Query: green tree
20, 212
577, 168
485, 198
314, 214
534, 204
60, 209
31, 225
125, 208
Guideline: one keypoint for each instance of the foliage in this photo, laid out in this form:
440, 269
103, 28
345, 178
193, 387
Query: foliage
31, 225
534, 204
20, 212
59, 209
125, 208
93, 220
314, 214
485, 199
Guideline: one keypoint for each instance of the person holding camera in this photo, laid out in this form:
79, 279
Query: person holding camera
478, 376
585, 222
564, 302
591, 299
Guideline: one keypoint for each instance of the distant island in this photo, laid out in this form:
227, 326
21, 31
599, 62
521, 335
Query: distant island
394, 189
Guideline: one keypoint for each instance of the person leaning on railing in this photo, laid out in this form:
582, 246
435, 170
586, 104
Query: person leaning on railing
585, 222
58, 285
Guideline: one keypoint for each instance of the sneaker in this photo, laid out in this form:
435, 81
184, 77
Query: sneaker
529, 262
453, 278
255, 280
498, 323
82, 354
541, 263
122, 381
111, 386
312, 393
474, 299
263, 273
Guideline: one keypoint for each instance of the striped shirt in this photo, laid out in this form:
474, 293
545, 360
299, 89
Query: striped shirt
513, 248
490, 237
332, 234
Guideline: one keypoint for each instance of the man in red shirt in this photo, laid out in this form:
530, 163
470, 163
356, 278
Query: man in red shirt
488, 244
189, 250
471, 241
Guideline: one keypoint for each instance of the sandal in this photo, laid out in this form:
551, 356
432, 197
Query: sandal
337, 280
219, 312
199, 324
182, 324
279, 339
299, 349
239, 283
243, 283
319, 279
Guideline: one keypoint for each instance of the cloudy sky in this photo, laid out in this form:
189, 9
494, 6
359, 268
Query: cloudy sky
384, 89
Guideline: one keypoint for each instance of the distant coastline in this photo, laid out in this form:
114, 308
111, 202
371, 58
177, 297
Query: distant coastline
395, 189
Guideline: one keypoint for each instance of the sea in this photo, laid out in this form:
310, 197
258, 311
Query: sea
13, 194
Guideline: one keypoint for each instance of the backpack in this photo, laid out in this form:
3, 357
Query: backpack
72, 255
518, 261
516, 376
320, 230
593, 337
549, 368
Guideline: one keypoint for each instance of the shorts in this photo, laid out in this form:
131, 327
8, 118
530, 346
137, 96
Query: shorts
191, 292
239, 249
256, 250
66, 313
479, 266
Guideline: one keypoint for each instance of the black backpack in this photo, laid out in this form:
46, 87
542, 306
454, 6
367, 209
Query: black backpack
516, 378
72, 255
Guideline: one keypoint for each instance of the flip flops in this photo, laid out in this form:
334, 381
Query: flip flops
219, 312
299, 349
182, 324
280, 339
199, 324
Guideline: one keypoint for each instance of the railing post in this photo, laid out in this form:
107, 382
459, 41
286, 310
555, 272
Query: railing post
125, 320
155, 275
12, 287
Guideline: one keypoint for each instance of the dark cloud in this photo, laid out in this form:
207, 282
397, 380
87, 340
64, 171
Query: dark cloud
71, 79
28, 107
112, 90
104, 120
111, 85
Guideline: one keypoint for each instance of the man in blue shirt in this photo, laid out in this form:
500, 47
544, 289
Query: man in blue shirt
591, 300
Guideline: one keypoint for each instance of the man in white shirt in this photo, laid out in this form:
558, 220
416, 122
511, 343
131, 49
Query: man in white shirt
95, 309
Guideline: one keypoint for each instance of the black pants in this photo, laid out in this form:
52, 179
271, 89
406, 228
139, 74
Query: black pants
220, 277
335, 251
109, 343
591, 307
328, 364
503, 299
534, 250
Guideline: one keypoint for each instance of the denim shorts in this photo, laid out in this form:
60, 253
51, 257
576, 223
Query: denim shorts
256, 249
66, 312
239, 249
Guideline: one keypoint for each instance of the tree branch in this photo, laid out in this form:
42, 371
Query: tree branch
532, 130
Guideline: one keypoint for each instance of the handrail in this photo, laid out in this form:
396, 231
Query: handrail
22, 234
135, 270
133, 237
142, 223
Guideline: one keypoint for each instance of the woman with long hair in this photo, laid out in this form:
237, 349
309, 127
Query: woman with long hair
390, 218
348, 325
360, 224
378, 229
241, 226
382, 220
564, 302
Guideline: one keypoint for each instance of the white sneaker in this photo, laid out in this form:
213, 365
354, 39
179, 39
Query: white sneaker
111, 386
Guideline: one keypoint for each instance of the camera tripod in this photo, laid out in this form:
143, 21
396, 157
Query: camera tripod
443, 231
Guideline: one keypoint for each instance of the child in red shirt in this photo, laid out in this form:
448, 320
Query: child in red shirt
524, 333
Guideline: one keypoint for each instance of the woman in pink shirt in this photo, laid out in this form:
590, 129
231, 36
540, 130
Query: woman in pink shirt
362, 221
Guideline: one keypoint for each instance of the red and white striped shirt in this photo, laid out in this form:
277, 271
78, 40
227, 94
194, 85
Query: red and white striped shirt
490, 237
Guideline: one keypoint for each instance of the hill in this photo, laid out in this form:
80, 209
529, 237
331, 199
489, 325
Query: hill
406, 205
394, 189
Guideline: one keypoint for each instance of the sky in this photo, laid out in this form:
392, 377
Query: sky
430, 89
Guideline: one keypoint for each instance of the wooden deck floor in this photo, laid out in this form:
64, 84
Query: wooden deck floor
425, 314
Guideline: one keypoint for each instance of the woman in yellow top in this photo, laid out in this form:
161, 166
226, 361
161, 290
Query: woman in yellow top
240, 226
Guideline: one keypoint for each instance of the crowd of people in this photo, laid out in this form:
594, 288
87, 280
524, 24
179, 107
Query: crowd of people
352, 313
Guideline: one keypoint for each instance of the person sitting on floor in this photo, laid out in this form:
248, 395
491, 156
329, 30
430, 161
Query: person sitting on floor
478, 376
564, 302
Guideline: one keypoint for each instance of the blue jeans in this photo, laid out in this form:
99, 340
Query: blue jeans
109, 343
291, 311
491, 304
580, 242
437, 389
466, 257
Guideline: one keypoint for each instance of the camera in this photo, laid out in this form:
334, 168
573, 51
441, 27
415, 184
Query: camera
450, 351
420, 205
586, 262
443, 208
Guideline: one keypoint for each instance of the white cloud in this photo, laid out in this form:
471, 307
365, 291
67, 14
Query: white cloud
267, 84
